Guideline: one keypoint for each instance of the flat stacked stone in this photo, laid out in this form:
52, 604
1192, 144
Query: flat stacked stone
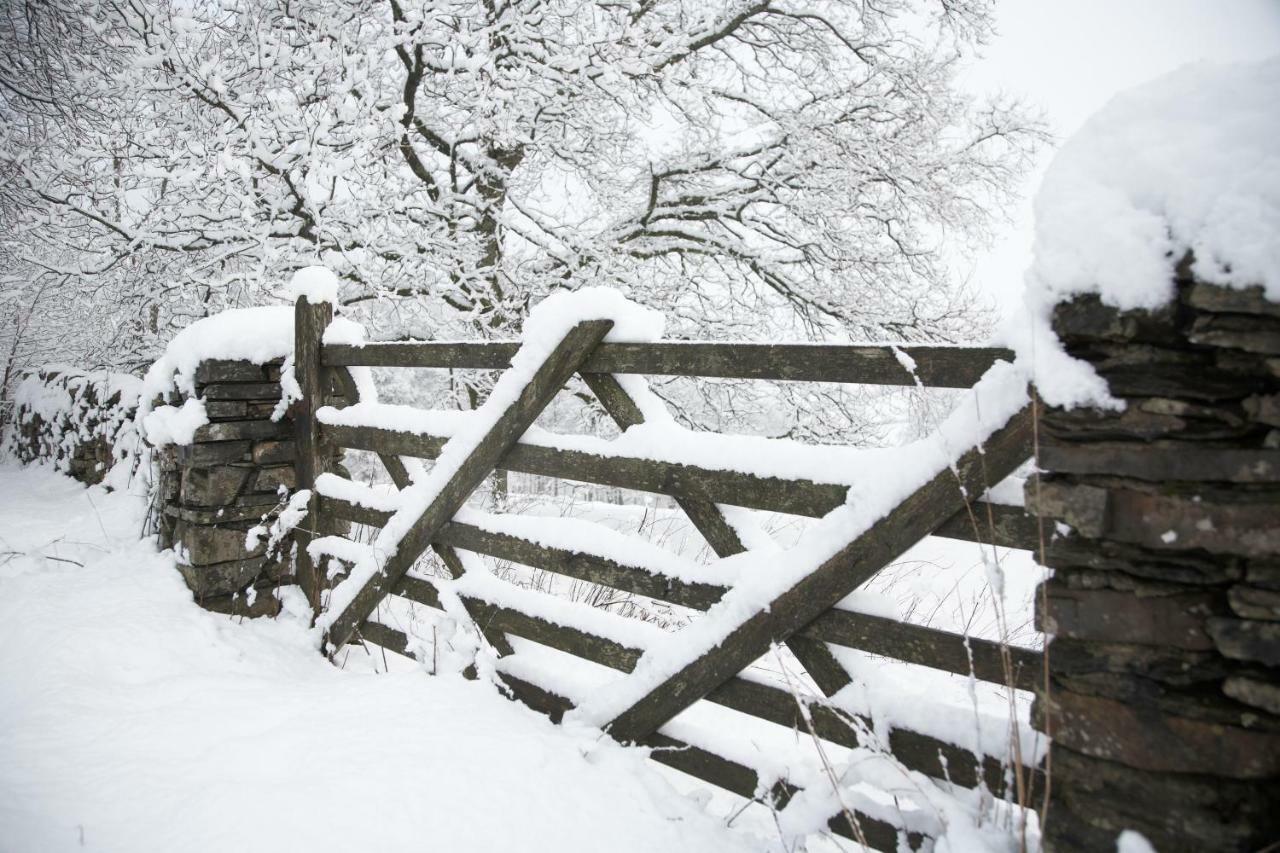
1164, 694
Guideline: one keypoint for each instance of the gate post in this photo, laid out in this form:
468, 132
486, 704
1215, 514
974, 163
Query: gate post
310, 321
1163, 699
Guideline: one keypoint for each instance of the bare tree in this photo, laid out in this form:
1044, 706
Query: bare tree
755, 169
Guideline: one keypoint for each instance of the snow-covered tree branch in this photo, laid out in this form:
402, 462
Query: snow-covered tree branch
784, 168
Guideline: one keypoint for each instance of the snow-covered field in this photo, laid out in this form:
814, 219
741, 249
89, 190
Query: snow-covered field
131, 720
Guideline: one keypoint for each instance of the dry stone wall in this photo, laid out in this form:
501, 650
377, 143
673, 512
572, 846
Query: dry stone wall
1164, 605
225, 482
235, 475
81, 422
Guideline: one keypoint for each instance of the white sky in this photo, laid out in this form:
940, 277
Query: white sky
1068, 57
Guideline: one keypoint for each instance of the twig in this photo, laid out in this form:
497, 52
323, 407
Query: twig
12, 554
1044, 618
827, 769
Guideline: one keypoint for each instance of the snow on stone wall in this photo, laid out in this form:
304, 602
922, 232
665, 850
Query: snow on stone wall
1155, 331
80, 421
1184, 170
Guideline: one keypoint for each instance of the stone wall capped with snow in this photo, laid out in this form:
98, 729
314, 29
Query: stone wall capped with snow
80, 421
1164, 606
232, 473
1155, 340
1183, 169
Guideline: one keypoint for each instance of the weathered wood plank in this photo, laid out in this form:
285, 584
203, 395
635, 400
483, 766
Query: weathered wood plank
354, 512
743, 781
420, 590
400, 476
936, 366
705, 765
424, 592
689, 484
597, 649
699, 763
478, 615
588, 646
382, 635
930, 647
917, 644
575, 564
626, 577
310, 322
790, 612
996, 524
795, 496
546, 382
580, 565
394, 465
538, 698
914, 750
708, 766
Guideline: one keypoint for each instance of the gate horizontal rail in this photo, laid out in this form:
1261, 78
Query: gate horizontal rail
766, 702
904, 641
934, 366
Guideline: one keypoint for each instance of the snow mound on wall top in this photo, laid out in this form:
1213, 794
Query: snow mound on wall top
258, 335
55, 390
58, 408
1188, 162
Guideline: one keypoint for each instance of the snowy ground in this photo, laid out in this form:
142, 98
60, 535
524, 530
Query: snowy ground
131, 720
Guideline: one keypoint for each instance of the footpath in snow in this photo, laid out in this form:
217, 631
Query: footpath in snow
131, 720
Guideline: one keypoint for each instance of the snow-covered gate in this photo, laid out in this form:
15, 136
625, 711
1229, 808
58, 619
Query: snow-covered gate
785, 597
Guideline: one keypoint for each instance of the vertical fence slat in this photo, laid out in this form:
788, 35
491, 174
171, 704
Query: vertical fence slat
310, 321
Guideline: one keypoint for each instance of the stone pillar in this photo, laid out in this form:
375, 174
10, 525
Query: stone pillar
215, 489
1164, 606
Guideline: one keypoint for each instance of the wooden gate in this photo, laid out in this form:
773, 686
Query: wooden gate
658, 685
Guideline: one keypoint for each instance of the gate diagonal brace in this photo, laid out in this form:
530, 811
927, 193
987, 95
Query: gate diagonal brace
911, 520
400, 477
563, 361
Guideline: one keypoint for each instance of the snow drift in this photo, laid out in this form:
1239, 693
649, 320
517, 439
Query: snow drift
1186, 163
